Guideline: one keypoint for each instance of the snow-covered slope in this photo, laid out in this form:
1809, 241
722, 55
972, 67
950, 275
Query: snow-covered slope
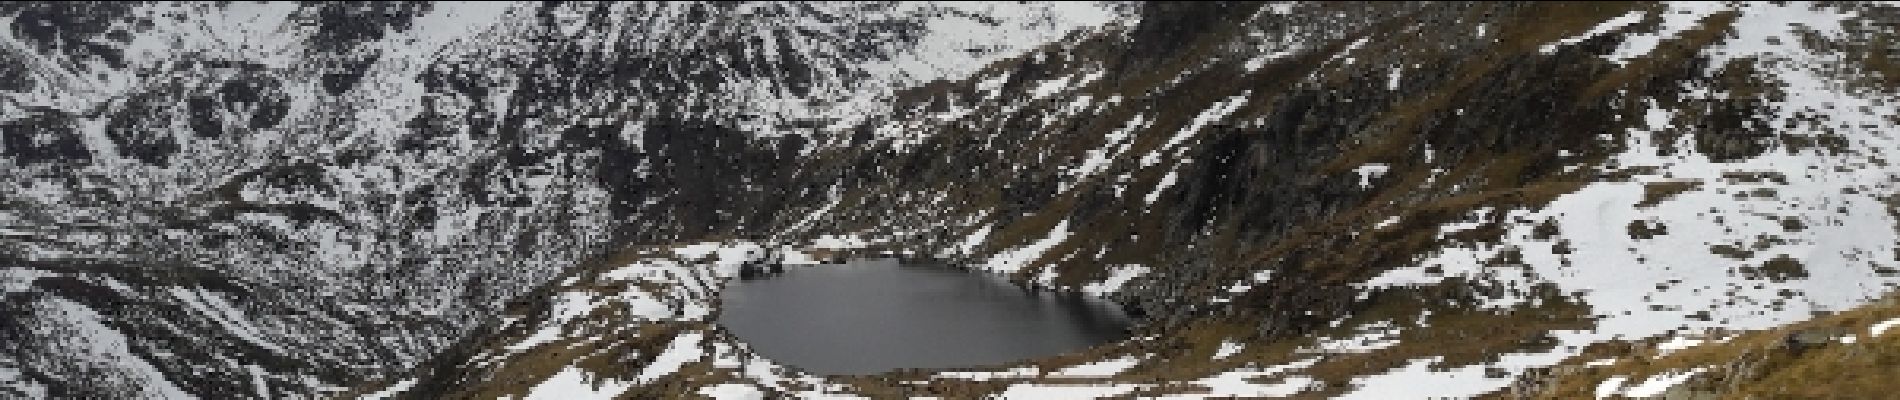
275, 199
1361, 201
1299, 199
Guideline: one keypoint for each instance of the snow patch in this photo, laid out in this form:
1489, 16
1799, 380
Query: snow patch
1015, 259
1166, 181
684, 349
1369, 172
1612, 386
1654, 386
1678, 17
1254, 64
1099, 369
1037, 391
980, 376
1117, 277
1113, 145
1389, 221
1605, 27
1881, 328
974, 239
1241, 382
1422, 379
1259, 277
1051, 87
732, 391
1679, 343
1228, 348
1370, 337
1209, 116
574, 384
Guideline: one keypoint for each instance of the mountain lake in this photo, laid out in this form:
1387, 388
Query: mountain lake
875, 316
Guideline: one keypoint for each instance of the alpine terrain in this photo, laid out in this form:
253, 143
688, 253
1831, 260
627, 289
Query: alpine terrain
1679, 200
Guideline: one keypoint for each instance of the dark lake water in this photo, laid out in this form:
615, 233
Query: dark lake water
875, 316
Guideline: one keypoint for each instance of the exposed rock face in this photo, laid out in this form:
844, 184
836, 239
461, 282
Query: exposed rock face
1320, 199
44, 136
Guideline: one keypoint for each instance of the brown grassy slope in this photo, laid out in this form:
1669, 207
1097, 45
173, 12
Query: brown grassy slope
1805, 360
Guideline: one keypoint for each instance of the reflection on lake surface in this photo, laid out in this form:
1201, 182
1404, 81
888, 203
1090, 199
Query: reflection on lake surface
874, 316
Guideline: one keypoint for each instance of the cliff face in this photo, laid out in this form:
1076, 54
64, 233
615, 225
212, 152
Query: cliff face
1298, 199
